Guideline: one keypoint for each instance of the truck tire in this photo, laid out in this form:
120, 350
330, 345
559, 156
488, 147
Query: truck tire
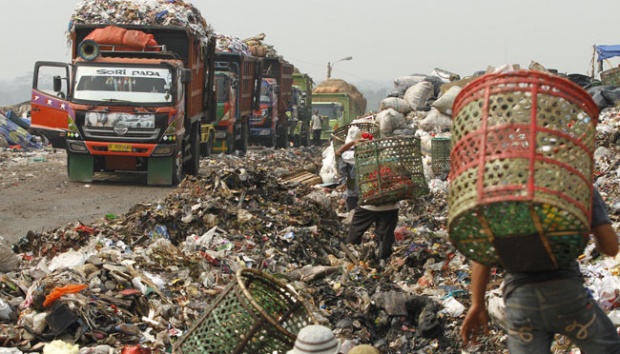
242, 144
192, 166
206, 149
230, 142
270, 141
282, 139
177, 168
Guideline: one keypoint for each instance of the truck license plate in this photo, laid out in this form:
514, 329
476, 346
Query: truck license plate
119, 147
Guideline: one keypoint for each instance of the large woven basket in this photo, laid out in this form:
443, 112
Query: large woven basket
521, 172
254, 314
389, 169
339, 135
440, 156
611, 77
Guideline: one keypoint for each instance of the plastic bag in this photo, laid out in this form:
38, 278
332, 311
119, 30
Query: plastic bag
328, 171
9, 261
445, 101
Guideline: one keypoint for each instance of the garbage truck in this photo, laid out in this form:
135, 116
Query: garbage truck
237, 89
135, 98
299, 129
269, 123
338, 103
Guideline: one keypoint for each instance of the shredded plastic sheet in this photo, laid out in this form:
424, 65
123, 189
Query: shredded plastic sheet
62, 290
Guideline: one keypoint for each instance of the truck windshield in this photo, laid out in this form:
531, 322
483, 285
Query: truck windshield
331, 110
123, 84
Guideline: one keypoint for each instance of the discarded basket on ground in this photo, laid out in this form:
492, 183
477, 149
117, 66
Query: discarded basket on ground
440, 157
520, 192
254, 314
611, 77
339, 136
389, 169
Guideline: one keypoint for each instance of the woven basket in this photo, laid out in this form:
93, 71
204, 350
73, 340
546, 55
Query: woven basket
521, 171
255, 314
389, 170
339, 135
440, 156
611, 77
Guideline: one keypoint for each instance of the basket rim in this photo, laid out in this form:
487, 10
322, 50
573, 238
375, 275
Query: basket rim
486, 81
346, 128
259, 274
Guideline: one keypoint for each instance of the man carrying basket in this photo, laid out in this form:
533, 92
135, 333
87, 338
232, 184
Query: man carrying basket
522, 199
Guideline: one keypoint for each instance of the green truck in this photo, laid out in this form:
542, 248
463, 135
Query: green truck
338, 103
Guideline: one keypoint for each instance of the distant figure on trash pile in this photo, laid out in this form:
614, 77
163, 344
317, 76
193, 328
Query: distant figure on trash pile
384, 217
316, 339
317, 127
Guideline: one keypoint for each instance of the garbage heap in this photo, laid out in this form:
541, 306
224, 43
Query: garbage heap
139, 12
137, 282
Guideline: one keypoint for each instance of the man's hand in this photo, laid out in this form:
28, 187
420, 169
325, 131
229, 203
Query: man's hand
476, 323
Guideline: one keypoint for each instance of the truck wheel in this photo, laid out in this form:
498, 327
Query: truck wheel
177, 168
271, 140
282, 137
206, 149
242, 143
230, 142
193, 164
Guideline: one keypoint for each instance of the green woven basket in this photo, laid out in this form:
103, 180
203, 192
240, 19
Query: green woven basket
440, 156
255, 314
611, 77
389, 169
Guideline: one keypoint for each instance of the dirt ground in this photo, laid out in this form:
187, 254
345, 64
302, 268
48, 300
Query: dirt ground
36, 194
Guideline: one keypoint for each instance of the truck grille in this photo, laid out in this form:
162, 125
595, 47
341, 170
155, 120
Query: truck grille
150, 134
133, 134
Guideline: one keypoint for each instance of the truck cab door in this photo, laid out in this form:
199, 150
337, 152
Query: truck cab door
50, 111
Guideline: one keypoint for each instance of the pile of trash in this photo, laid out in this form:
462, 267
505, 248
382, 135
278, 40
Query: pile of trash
140, 12
138, 282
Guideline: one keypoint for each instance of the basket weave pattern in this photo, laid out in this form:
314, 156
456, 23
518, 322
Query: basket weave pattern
255, 314
521, 164
339, 135
611, 77
389, 170
440, 156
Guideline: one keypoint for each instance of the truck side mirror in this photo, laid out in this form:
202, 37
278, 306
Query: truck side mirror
57, 83
276, 89
186, 76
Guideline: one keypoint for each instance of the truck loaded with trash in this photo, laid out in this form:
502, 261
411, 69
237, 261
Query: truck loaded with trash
338, 103
269, 124
237, 85
134, 98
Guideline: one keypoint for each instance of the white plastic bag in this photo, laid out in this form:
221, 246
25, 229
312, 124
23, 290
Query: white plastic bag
445, 101
328, 171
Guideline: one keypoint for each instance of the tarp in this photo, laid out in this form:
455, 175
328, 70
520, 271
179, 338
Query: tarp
607, 51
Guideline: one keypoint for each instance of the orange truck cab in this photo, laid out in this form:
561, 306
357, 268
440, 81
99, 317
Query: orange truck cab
121, 108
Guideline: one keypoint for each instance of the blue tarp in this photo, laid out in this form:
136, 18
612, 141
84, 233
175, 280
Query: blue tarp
607, 51
16, 135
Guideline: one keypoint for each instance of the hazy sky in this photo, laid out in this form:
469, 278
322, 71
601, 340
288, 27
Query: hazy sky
387, 39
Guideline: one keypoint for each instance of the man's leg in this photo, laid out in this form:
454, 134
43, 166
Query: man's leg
386, 224
527, 330
361, 221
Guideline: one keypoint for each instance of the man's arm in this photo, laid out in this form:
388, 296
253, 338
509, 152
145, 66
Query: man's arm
477, 319
606, 239
345, 147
